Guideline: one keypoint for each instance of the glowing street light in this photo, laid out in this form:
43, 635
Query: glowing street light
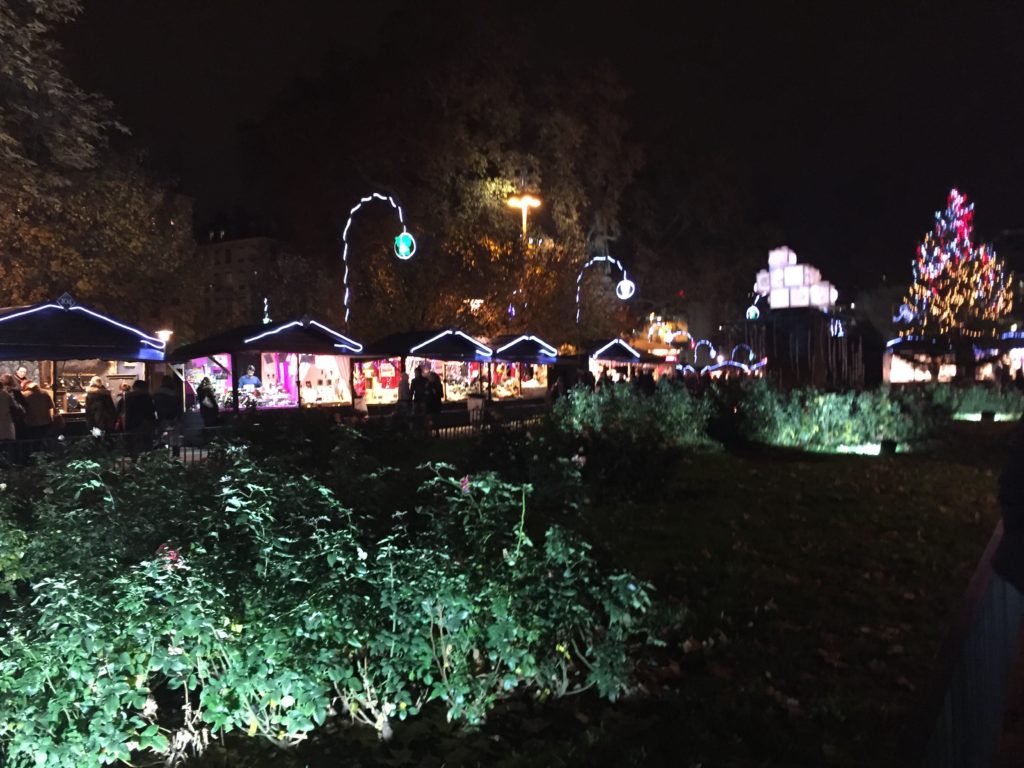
164, 335
524, 203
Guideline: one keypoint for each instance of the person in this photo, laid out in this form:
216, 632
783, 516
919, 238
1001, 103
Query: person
168, 409
100, 412
16, 411
1018, 379
604, 380
418, 390
585, 379
433, 395
404, 407
119, 423
208, 403
557, 389
38, 412
8, 406
21, 378
645, 383
250, 379
139, 417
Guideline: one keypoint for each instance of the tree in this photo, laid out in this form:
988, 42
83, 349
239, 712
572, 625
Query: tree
456, 120
48, 125
960, 291
75, 216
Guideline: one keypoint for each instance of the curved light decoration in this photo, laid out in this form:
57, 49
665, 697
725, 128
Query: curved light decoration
750, 353
405, 243
624, 289
704, 343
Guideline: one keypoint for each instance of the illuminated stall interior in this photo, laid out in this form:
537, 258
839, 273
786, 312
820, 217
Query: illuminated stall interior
297, 363
520, 367
911, 359
460, 360
63, 344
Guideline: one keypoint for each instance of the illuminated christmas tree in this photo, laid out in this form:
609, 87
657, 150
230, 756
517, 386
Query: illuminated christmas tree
960, 291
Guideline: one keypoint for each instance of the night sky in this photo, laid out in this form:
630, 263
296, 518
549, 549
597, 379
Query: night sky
849, 123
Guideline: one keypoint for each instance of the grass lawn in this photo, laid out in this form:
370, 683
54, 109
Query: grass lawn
804, 600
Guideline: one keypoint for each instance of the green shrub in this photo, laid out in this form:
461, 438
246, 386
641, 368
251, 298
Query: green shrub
149, 610
825, 421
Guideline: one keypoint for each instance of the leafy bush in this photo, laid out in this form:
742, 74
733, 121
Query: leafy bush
624, 440
815, 420
152, 608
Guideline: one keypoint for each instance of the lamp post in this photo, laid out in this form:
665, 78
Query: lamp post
524, 203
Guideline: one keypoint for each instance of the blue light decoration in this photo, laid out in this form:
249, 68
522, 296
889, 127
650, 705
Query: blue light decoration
67, 303
753, 313
704, 343
750, 352
266, 311
405, 246
835, 327
405, 243
1012, 335
546, 349
624, 289
482, 349
344, 341
734, 364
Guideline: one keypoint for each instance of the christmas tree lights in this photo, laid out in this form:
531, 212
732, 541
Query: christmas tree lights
959, 289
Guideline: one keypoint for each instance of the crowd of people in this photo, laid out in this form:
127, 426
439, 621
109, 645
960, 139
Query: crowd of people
29, 417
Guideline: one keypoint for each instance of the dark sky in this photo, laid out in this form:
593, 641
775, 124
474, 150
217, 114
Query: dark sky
852, 120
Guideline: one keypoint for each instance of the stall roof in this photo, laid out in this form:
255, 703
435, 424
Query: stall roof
524, 348
305, 336
66, 330
447, 344
615, 350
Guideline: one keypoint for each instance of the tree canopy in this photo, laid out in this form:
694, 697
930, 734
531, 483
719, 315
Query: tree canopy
75, 215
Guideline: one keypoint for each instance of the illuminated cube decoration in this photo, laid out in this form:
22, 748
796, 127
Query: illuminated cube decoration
787, 283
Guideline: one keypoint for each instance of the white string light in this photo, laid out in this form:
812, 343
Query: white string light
405, 243
624, 289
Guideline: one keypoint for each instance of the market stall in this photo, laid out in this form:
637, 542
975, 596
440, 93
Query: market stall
620, 360
278, 365
520, 367
62, 344
459, 359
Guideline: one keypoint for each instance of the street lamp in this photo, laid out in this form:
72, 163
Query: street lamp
524, 203
164, 335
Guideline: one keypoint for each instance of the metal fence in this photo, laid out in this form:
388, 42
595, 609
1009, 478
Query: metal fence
962, 719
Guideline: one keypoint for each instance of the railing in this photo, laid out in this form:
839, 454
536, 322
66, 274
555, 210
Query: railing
962, 718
